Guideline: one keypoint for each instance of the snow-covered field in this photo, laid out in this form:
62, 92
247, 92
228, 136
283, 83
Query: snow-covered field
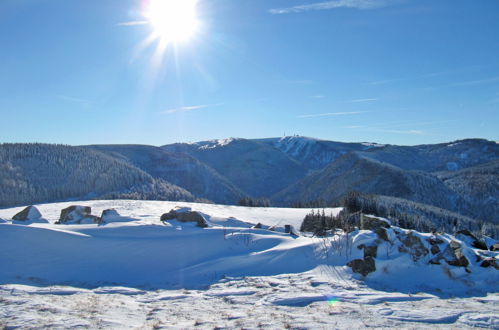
141, 273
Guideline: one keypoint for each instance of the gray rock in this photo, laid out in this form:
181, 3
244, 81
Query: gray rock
257, 226
467, 236
435, 240
362, 266
414, 246
453, 255
169, 216
288, 229
29, 213
188, 216
77, 214
490, 262
382, 233
435, 249
370, 251
109, 214
370, 223
460, 260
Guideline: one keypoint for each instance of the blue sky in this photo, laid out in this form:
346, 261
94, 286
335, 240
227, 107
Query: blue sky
388, 71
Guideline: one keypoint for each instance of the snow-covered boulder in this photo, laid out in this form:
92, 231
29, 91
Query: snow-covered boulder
413, 245
369, 222
289, 229
111, 215
471, 240
77, 214
28, 216
184, 214
29, 213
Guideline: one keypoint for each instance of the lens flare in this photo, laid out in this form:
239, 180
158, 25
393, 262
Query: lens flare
173, 21
332, 301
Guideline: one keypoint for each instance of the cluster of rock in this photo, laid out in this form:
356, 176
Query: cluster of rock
435, 250
75, 214
78, 214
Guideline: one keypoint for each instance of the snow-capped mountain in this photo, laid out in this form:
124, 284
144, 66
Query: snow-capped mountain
254, 166
289, 170
314, 153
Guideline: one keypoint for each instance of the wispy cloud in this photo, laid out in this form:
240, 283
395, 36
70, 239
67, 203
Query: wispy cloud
385, 81
361, 100
133, 23
72, 99
474, 82
326, 5
327, 114
318, 96
190, 108
398, 127
409, 131
297, 81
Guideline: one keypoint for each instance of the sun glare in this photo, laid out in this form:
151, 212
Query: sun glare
173, 20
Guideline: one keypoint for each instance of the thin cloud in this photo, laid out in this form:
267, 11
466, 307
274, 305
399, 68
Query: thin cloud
190, 108
133, 23
385, 81
475, 82
361, 100
72, 99
327, 114
298, 82
318, 96
327, 5
409, 132
354, 126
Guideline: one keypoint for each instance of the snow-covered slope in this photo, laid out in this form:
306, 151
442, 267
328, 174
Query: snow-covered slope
355, 172
255, 167
313, 153
450, 156
141, 273
479, 187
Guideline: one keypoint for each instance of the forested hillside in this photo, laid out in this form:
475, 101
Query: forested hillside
460, 176
34, 173
255, 167
180, 169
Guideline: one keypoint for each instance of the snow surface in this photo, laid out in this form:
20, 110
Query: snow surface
214, 143
146, 274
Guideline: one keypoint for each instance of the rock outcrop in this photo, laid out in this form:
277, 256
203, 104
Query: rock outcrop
368, 222
363, 266
77, 214
30, 213
185, 215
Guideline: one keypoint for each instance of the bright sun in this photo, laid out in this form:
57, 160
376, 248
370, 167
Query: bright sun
173, 20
